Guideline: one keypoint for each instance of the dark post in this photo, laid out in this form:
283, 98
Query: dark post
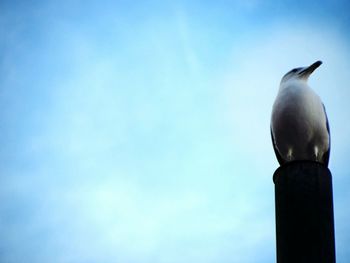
304, 213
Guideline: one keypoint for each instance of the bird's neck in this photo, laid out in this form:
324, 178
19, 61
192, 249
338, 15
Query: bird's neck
293, 84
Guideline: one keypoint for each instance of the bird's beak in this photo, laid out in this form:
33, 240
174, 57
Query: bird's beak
305, 73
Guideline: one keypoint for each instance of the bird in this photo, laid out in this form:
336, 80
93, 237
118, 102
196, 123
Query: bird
299, 123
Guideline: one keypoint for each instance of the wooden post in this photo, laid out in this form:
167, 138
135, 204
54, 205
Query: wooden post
304, 213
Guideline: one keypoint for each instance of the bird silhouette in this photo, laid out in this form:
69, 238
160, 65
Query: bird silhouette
299, 123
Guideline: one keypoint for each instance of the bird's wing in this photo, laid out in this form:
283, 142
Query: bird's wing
278, 156
327, 153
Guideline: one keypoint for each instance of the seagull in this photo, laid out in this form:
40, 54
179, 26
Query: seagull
299, 123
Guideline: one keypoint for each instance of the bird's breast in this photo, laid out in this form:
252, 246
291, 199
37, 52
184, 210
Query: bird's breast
298, 114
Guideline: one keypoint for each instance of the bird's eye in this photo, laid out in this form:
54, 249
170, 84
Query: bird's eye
294, 70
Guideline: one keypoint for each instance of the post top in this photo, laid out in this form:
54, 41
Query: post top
301, 168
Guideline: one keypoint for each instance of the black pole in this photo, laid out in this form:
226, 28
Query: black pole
304, 213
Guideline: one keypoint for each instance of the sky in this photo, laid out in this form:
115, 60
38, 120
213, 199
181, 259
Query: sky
138, 131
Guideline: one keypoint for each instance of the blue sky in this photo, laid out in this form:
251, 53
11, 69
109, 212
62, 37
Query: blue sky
137, 132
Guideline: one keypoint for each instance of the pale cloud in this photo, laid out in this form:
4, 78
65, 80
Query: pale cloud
185, 35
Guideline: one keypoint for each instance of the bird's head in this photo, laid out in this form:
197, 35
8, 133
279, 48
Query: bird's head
302, 73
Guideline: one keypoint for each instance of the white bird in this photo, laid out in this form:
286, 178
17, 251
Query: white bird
299, 124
